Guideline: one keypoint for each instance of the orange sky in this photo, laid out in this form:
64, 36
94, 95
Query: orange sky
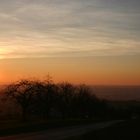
105, 70
81, 41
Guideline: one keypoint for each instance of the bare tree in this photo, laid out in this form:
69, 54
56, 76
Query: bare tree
86, 101
66, 98
45, 97
21, 92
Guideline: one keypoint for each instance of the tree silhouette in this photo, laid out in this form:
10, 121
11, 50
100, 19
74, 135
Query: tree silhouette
45, 97
22, 93
66, 98
86, 102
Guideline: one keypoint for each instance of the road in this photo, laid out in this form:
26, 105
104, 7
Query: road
60, 133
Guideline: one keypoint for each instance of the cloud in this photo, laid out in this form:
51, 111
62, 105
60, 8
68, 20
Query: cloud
69, 28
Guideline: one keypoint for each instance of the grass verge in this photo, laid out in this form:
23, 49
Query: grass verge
13, 127
128, 130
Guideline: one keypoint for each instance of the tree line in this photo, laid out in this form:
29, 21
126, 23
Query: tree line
47, 100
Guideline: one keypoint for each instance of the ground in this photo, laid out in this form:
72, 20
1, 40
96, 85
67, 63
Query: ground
127, 130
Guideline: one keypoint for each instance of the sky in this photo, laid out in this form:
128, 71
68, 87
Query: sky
81, 41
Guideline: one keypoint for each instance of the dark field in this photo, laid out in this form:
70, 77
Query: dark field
128, 130
119, 93
13, 127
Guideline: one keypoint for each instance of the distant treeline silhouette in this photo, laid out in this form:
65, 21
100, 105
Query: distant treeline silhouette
47, 100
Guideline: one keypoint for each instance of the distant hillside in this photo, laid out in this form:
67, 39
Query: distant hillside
117, 92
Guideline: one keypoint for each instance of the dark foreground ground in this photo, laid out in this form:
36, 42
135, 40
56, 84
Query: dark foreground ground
61, 133
14, 127
77, 130
127, 130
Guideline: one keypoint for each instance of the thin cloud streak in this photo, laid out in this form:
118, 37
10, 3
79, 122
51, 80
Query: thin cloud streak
44, 28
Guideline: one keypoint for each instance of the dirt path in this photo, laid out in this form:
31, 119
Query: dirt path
61, 133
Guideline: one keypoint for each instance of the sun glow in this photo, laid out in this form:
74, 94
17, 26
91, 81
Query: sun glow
4, 53
93, 41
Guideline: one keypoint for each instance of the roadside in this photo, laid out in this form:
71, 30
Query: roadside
127, 130
61, 133
14, 127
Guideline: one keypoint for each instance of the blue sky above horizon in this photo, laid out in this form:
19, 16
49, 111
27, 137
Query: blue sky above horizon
53, 28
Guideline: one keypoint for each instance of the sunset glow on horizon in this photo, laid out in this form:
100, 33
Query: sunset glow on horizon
96, 42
